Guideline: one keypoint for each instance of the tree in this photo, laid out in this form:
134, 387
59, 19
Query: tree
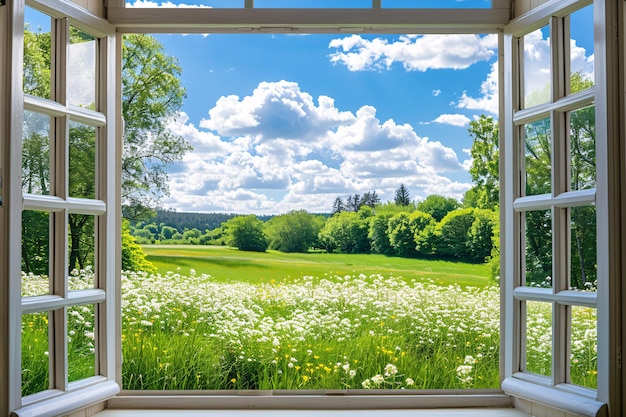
295, 231
370, 199
379, 239
485, 162
152, 94
438, 206
402, 196
347, 231
246, 233
133, 257
338, 206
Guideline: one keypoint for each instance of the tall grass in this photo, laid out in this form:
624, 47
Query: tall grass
329, 330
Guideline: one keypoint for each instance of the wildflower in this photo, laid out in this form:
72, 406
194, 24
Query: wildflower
409, 382
390, 370
378, 379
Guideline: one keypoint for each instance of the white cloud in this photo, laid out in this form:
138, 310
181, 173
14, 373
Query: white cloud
415, 53
436, 92
536, 67
147, 4
452, 119
278, 149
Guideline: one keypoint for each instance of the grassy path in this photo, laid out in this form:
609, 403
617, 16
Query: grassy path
228, 264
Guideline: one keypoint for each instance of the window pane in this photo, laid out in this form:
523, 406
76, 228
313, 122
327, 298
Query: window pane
584, 347
583, 148
538, 165
81, 251
536, 67
35, 370
584, 259
82, 69
581, 49
37, 50
538, 248
81, 342
82, 164
298, 4
197, 3
426, 4
35, 253
538, 338
36, 153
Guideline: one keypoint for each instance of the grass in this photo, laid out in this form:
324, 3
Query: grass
228, 264
272, 321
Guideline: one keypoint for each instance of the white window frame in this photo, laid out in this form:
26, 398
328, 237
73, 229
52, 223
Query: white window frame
63, 397
555, 390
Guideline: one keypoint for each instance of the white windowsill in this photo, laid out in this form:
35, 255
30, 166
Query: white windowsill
452, 412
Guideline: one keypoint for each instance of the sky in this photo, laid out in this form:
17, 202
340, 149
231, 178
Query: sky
288, 122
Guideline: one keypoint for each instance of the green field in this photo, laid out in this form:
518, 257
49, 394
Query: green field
228, 264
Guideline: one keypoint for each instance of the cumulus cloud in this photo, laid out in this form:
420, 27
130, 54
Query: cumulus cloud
452, 119
279, 149
413, 52
537, 74
436, 92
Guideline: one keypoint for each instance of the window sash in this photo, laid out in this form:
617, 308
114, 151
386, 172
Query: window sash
69, 396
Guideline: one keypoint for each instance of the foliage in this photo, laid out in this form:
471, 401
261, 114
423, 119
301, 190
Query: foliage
246, 233
378, 236
402, 197
346, 231
133, 256
152, 94
295, 231
438, 206
485, 162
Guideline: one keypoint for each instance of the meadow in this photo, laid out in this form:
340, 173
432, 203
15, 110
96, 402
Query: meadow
355, 322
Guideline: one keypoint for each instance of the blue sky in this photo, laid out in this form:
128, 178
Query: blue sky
285, 122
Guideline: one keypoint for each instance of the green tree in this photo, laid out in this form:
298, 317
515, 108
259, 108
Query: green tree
485, 162
402, 197
246, 233
438, 206
379, 239
133, 257
152, 94
347, 231
295, 231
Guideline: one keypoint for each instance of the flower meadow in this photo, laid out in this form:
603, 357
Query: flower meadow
192, 332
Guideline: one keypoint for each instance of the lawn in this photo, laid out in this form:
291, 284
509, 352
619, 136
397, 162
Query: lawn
229, 264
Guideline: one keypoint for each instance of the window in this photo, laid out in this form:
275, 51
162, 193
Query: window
553, 267
67, 145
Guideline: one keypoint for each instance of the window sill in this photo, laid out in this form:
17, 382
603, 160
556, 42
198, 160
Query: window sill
452, 412
568, 402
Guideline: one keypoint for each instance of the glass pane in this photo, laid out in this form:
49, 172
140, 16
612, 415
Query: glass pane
35, 253
426, 4
37, 51
196, 3
81, 251
536, 67
82, 69
584, 259
583, 148
81, 342
35, 370
538, 164
36, 153
539, 338
298, 4
581, 49
584, 347
539, 248
82, 163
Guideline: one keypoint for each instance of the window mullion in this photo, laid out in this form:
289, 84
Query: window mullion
58, 322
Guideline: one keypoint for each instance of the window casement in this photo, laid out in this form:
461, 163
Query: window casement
555, 267
63, 144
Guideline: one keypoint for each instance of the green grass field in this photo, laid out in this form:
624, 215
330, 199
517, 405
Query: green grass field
228, 264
